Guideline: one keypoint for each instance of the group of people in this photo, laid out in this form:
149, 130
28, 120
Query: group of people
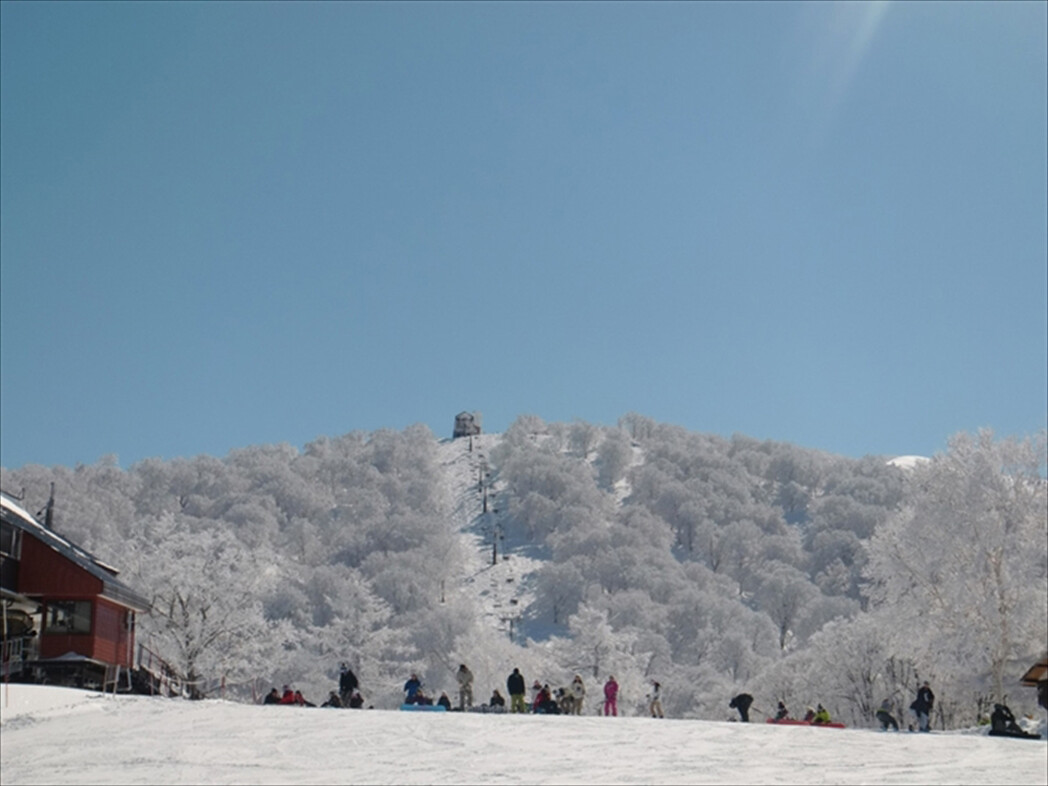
288, 696
921, 706
414, 693
348, 694
814, 715
567, 700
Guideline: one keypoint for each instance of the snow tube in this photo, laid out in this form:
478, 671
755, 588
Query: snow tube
793, 722
423, 708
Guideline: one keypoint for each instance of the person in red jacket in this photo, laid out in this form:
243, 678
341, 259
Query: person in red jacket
538, 703
289, 696
611, 695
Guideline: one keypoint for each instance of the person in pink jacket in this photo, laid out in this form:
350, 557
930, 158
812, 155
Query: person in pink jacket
611, 695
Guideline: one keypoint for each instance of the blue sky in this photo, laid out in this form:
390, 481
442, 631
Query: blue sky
227, 224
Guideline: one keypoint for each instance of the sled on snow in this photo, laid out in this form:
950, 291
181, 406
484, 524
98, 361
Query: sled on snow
423, 708
1017, 733
794, 722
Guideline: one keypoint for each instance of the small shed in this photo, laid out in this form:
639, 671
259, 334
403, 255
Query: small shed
1037, 677
466, 425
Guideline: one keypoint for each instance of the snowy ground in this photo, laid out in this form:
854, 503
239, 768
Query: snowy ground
61, 735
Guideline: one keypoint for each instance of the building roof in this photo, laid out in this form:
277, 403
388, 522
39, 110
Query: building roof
112, 588
1038, 672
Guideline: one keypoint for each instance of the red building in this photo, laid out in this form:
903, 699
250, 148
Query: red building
67, 618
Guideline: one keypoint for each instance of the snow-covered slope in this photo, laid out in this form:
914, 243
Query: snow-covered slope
496, 580
908, 462
61, 735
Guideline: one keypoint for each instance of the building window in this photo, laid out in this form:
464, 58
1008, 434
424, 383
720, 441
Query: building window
68, 616
10, 541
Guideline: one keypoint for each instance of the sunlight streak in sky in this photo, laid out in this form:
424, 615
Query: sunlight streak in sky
859, 23
844, 34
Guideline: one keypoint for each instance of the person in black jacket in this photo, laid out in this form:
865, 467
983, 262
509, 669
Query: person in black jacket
1002, 724
884, 715
516, 689
347, 683
273, 697
922, 705
742, 703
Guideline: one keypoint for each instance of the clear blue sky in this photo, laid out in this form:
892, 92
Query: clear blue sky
228, 224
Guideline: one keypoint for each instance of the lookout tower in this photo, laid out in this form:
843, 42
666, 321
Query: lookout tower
466, 424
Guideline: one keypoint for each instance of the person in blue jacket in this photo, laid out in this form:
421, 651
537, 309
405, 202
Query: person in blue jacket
411, 689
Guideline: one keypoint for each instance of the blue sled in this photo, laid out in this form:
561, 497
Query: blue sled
423, 708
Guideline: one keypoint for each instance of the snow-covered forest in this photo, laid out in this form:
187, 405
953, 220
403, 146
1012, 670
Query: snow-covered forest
642, 550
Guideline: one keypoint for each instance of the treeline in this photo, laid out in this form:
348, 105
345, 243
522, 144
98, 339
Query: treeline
709, 564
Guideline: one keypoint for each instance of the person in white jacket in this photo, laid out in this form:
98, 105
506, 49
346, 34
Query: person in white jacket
656, 700
465, 681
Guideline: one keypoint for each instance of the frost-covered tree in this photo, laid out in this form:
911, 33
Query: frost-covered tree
614, 456
205, 589
583, 438
784, 595
964, 566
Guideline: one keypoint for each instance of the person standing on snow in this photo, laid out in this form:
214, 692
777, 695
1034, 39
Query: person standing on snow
515, 688
347, 682
536, 689
411, 689
465, 681
611, 697
656, 700
922, 705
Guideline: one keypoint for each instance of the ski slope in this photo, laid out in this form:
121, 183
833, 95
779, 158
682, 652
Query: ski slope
65, 736
500, 587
